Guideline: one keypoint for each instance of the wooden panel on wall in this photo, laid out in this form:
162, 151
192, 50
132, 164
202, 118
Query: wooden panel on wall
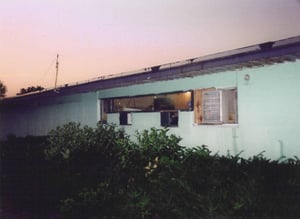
198, 117
197, 106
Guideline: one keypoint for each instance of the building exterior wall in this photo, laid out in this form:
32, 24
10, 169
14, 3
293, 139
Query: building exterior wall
269, 107
268, 111
38, 118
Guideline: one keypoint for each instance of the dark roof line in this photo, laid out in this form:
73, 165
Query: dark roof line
253, 56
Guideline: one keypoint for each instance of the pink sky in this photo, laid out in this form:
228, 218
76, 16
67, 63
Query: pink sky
96, 38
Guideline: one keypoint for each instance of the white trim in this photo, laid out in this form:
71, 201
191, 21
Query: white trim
216, 125
98, 110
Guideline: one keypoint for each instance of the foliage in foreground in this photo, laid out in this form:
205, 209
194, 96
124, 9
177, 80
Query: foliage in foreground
100, 173
3, 90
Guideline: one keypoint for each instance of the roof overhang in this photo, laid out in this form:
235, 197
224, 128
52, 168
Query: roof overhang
287, 50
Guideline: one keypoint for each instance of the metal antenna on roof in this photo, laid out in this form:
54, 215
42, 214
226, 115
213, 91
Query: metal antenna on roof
57, 63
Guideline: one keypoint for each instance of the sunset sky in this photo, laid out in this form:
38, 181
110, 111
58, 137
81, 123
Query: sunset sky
95, 38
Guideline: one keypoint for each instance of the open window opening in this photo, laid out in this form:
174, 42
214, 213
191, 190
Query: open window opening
163, 102
215, 106
125, 118
169, 118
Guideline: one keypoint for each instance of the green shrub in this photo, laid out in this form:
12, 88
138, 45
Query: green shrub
100, 173
88, 162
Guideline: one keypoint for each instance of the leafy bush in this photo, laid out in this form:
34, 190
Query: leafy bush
100, 173
85, 158
155, 177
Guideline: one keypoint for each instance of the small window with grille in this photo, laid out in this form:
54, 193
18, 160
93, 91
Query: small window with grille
215, 106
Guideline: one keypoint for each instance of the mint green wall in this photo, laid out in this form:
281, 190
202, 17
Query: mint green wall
226, 79
40, 118
268, 111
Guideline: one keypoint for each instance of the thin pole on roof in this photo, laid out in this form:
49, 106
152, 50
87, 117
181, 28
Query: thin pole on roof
57, 63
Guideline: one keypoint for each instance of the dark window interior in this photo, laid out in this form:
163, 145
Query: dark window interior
169, 118
150, 103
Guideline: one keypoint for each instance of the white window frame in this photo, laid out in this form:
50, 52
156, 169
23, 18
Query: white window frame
218, 107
